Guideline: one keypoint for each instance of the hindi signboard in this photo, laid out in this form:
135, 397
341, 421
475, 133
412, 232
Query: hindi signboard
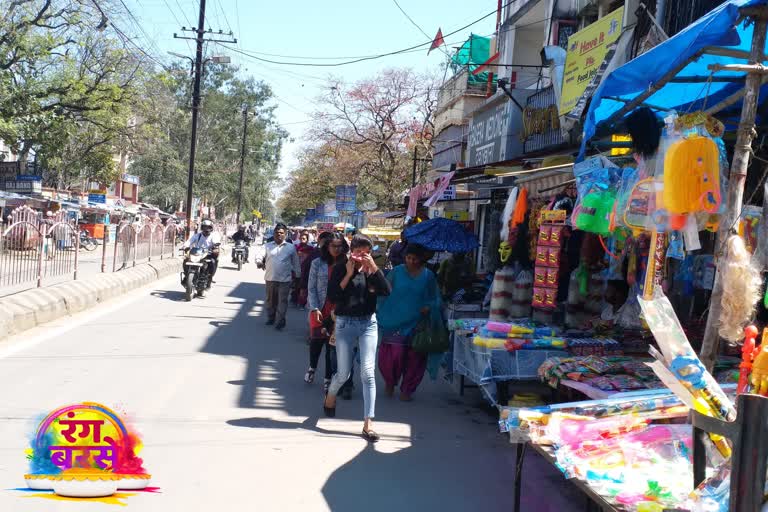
346, 198
24, 186
586, 52
9, 171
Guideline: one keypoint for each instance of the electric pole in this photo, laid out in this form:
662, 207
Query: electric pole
415, 157
198, 72
242, 163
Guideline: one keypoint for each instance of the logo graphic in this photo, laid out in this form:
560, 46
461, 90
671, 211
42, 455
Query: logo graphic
85, 451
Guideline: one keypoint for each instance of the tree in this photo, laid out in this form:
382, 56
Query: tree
162, 165
369, 130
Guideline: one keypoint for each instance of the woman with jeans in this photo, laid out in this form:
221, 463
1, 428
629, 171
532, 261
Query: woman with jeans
354, 288
333, 249
415, 295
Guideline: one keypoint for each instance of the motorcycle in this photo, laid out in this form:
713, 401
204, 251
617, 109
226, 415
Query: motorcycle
87, 242
240, 255
197, 275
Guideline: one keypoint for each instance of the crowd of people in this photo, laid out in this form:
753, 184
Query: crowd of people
356, 309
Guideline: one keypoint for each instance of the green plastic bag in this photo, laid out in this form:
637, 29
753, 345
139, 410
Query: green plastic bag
431, 337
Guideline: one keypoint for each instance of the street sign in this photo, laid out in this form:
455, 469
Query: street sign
97, 198
129, 178
24, 186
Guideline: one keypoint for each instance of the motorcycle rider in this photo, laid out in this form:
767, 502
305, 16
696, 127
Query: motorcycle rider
208, 240
241, 234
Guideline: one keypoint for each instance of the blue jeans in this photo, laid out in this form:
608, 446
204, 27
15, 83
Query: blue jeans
362, 332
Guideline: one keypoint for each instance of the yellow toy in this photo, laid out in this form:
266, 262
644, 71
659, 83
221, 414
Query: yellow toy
759, 376
691, 178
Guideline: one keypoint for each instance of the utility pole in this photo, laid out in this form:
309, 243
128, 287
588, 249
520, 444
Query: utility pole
242, 163
415, 158
198, 72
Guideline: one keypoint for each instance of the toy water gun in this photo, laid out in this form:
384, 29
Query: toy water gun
747, 355
759, 377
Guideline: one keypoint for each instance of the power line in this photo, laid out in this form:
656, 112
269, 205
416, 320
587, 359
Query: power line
410, 19
127, 39
372, 57
137, 23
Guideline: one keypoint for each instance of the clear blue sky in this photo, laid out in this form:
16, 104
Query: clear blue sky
318, 28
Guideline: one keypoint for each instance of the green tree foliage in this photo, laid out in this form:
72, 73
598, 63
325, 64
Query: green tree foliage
163, 164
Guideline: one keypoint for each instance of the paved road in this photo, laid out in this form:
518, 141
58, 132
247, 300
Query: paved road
229, 424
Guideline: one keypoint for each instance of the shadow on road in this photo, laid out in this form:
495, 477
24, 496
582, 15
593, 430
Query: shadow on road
173, 295
450, 456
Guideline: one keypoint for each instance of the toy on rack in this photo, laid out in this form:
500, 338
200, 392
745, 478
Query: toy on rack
759, 375
547, 270
748, 353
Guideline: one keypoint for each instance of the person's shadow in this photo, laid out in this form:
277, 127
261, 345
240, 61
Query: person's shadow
437, 453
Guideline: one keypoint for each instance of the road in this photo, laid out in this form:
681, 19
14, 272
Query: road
229, 424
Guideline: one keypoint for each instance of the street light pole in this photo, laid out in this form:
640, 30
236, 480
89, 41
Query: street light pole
195, 110
242, 163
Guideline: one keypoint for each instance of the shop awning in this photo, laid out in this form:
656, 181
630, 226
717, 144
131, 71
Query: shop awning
676, 74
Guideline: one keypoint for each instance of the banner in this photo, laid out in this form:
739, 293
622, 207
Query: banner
586, 52
346, 198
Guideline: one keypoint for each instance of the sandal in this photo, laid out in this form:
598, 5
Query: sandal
370, 435
330, 412
309, 377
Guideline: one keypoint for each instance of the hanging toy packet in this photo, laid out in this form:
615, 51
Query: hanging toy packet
596, 180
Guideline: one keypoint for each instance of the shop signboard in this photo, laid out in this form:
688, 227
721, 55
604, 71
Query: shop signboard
24, 186
8, 171
488, 135
129, 178
541, 122
346, 198
460, 216
587, 49
449, 193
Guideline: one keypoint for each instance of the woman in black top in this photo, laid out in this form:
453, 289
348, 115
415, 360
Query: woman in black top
354, 287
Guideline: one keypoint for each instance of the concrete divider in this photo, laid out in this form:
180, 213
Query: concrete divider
31, 308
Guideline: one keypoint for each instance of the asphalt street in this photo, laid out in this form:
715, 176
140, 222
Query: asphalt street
229, 424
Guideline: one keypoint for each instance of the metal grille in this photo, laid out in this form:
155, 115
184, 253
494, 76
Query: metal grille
550, 137
681, 13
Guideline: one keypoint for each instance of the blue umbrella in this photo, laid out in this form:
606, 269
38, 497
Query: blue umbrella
441, 234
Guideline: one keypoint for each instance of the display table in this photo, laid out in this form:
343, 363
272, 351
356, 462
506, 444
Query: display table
594, 500
590, 392
486, 367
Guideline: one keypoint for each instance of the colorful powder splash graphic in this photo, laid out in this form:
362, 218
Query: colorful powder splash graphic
85, 451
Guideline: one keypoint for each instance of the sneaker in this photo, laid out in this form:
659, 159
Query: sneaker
280, 325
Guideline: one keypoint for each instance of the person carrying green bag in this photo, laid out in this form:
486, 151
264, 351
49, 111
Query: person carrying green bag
415, 298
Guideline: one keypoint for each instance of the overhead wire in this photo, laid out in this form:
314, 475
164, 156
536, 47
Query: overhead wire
137, 23
372, 57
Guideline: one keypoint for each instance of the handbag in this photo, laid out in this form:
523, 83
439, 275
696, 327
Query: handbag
431, 337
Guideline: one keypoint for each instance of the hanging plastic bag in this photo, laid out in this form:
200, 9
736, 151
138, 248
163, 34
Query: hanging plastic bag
629, 316
596, 181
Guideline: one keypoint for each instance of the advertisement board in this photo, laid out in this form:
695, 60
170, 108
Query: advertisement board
24, 186
346, 198
586, 52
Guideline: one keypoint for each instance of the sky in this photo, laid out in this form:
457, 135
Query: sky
312, 29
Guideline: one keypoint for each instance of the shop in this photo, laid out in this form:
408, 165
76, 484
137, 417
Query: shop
603, 277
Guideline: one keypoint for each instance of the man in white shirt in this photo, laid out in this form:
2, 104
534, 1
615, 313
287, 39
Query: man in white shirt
282, 266
206, 239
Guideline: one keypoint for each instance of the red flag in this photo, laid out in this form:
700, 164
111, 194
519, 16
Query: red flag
438, 41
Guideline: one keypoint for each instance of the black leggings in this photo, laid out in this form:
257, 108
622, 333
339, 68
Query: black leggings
315, 348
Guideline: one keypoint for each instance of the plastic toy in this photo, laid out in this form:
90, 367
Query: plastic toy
759, 377
747, 354
691, 178
594, 213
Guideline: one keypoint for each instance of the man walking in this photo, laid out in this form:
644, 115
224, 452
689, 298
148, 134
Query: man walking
281, 264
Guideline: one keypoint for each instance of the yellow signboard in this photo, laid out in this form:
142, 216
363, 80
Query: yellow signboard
461, 216
586, 52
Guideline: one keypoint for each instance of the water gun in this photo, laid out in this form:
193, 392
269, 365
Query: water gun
748, 353
759, 377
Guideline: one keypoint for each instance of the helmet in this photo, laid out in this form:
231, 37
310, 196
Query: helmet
206, 224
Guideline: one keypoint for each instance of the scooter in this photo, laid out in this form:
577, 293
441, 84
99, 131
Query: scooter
240, 255
87, 242
196, 277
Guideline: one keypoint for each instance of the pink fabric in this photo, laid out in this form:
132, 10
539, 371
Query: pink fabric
399, 361
441, 184
413, 201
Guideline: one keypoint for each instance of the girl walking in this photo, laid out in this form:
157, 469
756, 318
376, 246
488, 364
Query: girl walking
354, 287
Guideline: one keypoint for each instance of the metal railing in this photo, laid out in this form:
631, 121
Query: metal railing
35, 251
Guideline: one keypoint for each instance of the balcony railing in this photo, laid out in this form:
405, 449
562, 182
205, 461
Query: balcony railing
458, 86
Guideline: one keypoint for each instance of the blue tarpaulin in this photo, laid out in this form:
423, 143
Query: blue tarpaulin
718, 28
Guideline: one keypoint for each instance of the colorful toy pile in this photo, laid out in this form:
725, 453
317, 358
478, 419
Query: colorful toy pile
611, 373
